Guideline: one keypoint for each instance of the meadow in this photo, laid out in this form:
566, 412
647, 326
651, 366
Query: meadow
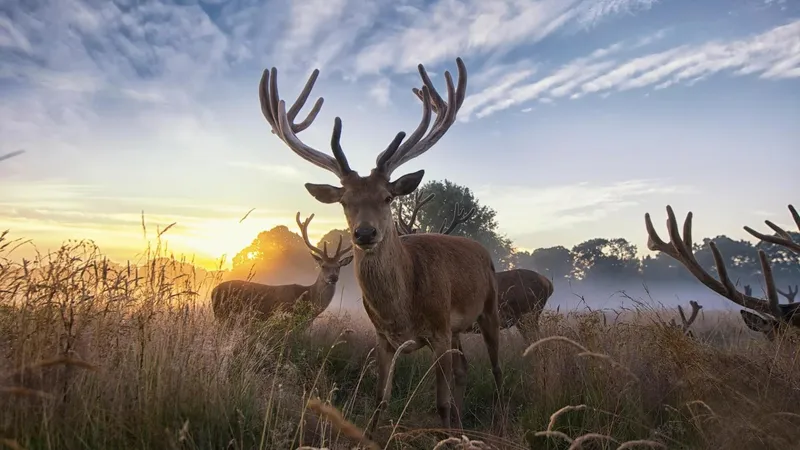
101, 356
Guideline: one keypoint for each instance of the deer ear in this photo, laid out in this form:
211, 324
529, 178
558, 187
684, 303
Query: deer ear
406, 184
346, 260
325, 193
755, 322
317, 258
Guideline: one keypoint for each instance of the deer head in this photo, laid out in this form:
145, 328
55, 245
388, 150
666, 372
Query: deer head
366, 200
329, 265
772, 317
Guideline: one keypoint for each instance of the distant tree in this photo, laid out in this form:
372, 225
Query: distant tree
332, 238
276, 255
741, 258
554, 262
664, 269
482, 226
605, 259
785, 263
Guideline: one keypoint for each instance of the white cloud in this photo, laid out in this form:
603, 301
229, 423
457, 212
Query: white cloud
280, 171
449, 28
774, 54
521, 209
381, 92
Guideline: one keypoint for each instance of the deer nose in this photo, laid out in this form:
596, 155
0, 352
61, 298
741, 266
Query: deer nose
364, 235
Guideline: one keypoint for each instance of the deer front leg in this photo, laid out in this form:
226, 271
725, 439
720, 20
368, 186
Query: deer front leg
444, 377
383, 390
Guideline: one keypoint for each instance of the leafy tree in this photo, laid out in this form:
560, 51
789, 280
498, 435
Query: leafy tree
554, 262
600, 258
662, 268
275, 256
482, 226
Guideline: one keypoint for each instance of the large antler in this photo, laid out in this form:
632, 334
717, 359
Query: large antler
323, 253
418, 142
282, 123
459, 217
419, 202
681, 250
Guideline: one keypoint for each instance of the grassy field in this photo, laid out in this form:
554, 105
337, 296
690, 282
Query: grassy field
97, 356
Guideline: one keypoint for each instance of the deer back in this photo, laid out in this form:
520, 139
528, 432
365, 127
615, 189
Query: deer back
521, 291
234, 296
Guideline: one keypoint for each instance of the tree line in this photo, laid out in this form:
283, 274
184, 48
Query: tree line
280, 252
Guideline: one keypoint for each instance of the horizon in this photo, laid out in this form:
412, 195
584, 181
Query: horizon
153, 110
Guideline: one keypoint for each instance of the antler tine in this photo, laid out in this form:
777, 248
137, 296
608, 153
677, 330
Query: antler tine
304, 232
680, 249
282, 123
446, 112
696, 307
419, 202
783, 238
339, 251
459, 217
789, 294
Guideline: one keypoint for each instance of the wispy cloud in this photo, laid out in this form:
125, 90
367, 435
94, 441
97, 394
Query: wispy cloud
524, 209
281, 171
774, 54
381, 92
445, 29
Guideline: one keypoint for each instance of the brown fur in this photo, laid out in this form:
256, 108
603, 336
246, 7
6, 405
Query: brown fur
233, 297
427, 288
522, 292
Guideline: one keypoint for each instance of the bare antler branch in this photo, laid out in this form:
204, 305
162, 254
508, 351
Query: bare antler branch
418, 142
282, 123
789, 294
680, 248
419, 202
324, 251
783, 238
459, 217
686, 323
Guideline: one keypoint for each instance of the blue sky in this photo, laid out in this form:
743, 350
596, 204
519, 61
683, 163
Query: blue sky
581, 115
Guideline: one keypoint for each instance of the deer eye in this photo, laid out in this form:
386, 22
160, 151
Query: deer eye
388, 199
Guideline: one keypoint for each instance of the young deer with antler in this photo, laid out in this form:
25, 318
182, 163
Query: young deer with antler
773, 317
427, 288
233, 297
522, 292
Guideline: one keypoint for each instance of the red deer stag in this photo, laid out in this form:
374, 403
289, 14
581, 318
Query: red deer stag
233, 297
427, 288
522, 292
772, 317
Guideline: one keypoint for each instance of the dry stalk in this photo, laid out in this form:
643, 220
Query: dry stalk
566, 409
346, 427
641, 442
580, 440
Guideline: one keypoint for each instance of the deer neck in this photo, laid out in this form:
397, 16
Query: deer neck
321, 292
384, 275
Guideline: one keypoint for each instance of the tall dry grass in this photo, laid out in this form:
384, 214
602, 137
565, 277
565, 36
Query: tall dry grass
96, 355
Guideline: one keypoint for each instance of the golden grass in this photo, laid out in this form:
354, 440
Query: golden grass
96, 355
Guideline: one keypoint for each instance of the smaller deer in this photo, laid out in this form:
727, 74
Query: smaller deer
233, 297
686, 323
522, 292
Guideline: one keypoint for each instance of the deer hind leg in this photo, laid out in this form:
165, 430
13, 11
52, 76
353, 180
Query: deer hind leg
383, 356
460, 366
489, 323
444, 377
